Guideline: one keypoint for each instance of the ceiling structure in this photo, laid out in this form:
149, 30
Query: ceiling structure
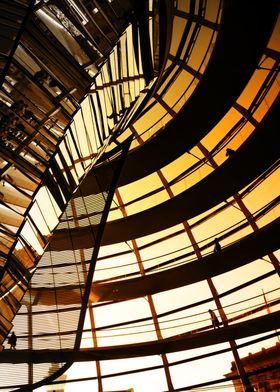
134, 133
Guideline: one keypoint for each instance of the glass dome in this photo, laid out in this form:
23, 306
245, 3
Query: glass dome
140, 195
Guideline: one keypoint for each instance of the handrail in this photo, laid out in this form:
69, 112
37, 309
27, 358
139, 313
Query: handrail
180, 342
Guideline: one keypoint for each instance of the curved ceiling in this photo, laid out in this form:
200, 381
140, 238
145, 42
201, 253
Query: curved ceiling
231, 174
188, 81
236, 54
242, 252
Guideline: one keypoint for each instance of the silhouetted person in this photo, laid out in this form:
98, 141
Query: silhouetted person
40, 76
214, 319
15, 107
53, 83
217, 246
229, 152
18, 107
4, 122
12, 340
29, 115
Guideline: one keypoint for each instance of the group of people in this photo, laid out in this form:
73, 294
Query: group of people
12, 129
43, 77
22, 109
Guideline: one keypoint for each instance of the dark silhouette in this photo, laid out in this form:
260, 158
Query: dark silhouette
5, 121
18, 107
229, 152
53, 83
40, 76
217, 246
214, 319
12, 340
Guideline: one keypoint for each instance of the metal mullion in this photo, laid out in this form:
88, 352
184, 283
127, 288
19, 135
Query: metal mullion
77, 145
38, 232
106, 84
100, 112
112, 184
60, 178
86, 133
27, 247
197, 19
95, 120
181, 62
56, 302
184, 66
135, 44
69, 175
114, 107
193, 37
145, 43
120, 75
265, 87
187, 29
76, 148
42, 215
67, 147
104, 90
127, 69
272, 53
117, 78
54, 189
17, 271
